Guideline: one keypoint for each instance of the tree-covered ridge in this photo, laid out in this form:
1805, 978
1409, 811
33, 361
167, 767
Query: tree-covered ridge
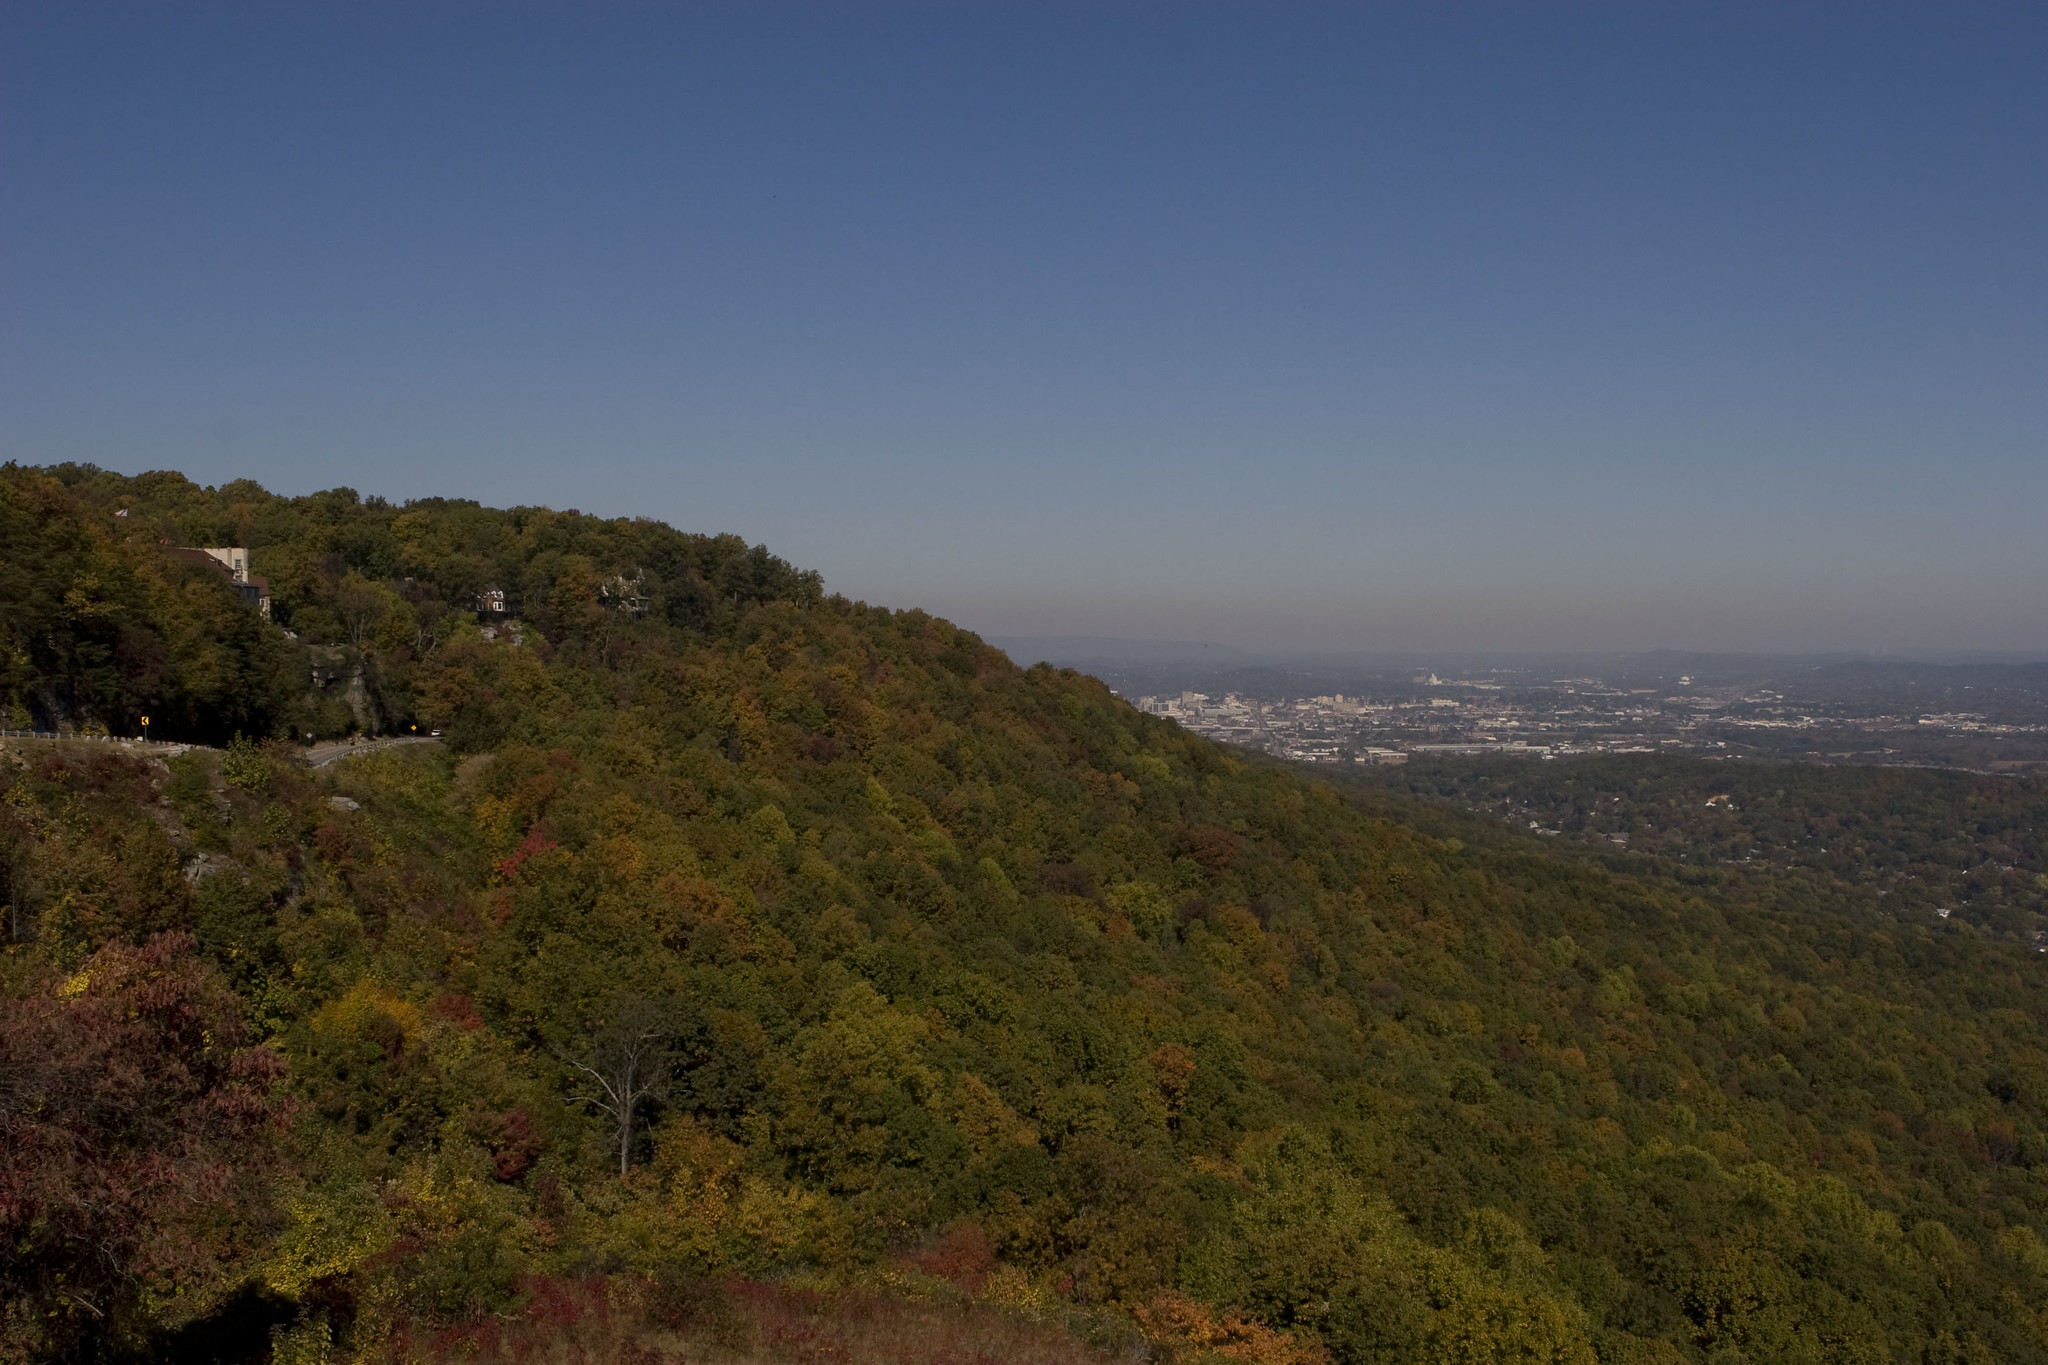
105, 626
947, 963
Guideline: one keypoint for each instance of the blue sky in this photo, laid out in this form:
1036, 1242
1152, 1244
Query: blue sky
1292, 326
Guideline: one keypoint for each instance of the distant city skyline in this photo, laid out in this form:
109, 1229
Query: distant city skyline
1300, 329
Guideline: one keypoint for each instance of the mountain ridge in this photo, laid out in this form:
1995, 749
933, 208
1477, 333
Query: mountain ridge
939, 952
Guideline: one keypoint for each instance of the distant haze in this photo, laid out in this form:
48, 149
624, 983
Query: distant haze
1297, 328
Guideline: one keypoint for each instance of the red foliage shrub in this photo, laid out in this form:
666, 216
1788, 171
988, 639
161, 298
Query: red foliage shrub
332, 842
1213, 849
131, 1120
600, 1320
963, 1257
459, 1010
519, 1141
536, 841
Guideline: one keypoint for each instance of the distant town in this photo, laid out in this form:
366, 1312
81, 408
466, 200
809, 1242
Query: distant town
1913, 715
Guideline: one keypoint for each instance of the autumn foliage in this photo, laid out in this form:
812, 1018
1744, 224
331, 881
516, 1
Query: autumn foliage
755, 974
135, 1125
1192, 1325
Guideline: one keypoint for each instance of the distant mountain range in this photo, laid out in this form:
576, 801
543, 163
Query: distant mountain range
1073, 650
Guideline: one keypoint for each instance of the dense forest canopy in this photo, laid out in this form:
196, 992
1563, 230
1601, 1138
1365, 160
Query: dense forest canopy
105, 626
866, 953
1920, 843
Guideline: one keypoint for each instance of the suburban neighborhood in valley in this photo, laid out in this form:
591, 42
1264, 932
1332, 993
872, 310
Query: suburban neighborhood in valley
1993, 718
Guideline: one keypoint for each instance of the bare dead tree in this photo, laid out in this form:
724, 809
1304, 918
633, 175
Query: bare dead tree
629, 1065
433, 620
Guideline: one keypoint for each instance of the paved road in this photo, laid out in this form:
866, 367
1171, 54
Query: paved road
320, 755
169, 748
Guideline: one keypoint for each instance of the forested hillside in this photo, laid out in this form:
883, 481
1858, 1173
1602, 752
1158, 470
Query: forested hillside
1930, 846
741, 935
104, 626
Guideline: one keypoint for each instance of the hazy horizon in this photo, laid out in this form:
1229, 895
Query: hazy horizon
1124, 649
1470, 329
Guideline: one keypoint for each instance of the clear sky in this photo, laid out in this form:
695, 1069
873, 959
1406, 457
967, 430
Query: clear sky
1293, 326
